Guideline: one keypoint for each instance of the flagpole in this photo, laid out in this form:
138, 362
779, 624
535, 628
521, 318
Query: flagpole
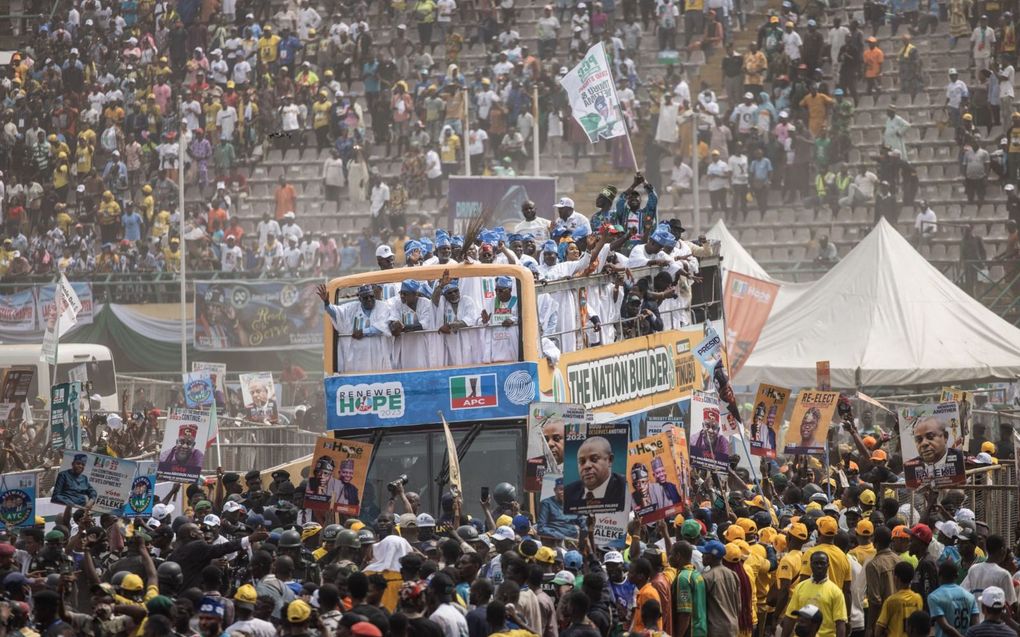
696, 190
184, 243
623, 117
535, 130
466, 140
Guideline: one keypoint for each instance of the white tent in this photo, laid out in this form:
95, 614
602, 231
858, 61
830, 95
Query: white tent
884, 316
739, 260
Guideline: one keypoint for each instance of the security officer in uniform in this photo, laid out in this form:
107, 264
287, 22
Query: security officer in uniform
255, 499
305, 567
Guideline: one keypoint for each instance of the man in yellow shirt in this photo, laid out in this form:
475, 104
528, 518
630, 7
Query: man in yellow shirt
321, 109
269, 45
900, 605
819, 592
788, 570
839, 565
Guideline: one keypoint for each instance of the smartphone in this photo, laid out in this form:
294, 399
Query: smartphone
485, 493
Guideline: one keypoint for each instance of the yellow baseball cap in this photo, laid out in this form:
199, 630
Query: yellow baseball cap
767, 535
748, 525
298, 611
798, 530
827, 526
132, 583
865, 527
733, 553
246, 595
988, 447
504, 520
545, 555
867, 497
733, 533
813, 506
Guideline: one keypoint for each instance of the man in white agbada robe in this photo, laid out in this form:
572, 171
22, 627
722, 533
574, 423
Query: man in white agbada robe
502, 339
411, 321
569, 311
366, 343
455, 312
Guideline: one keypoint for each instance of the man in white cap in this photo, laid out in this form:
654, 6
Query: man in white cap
568, 218
745, 115
956, 92
998, 622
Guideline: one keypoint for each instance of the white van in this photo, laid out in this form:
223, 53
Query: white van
97, 359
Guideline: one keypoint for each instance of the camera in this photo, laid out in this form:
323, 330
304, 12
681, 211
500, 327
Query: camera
399, 482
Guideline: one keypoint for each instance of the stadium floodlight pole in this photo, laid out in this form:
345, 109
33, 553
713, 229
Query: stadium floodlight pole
465, 140
536, 128
184, 244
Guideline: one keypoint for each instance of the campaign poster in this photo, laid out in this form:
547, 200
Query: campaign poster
336, 478
710, 448
654, 486
591, 91
594, 468
767, 418
682, 460
809, 422
259, 395
546, 424
501, 198
65, 424
611, 530
965, 399
107, 481
15, 385
143, 491
931, 439
257, 315
679, 418
710, 350
823, 375
199, 390
17, 500
184, 442
85, 305
218, 372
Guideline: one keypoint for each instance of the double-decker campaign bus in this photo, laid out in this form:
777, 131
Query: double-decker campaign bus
486, 404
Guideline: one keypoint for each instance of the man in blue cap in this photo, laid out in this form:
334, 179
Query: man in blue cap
365, 342
502, 340
653, 252
412, 253
631, 215
722, 590
72, 485
455, 313
409, 314
444, 250
550, 257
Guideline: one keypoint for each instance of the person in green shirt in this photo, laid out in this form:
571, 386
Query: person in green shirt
689, 606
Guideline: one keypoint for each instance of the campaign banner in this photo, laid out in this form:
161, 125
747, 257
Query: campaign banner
595, 463
809, 422
336, 477
654, 490
18, 313
611, 530
76, 298
493, 392
592, 94
65, 422
767, 418
823, 376
710, 448
143, 491
15, 385
199, 390
90, 476
182, 454
500, 198
546, 426
218, 372
258, 392
747, 302
257, 315
931, 442
17, 500
964, 399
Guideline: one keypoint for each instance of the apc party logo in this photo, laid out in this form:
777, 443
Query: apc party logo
384, 400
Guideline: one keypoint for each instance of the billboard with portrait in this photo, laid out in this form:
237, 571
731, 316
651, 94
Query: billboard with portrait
336, 477
654, 485
90, 477
809, 422
594, 466
257, 315
931, 439
500, 198
766, 419
65, 426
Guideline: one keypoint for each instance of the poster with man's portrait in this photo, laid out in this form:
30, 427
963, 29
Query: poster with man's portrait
103, 481
809, 422
931, 440
710, 447
336, 478
184, 442
259, 395
654, 485
17, 500
594, 466
766, 419
546, 424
